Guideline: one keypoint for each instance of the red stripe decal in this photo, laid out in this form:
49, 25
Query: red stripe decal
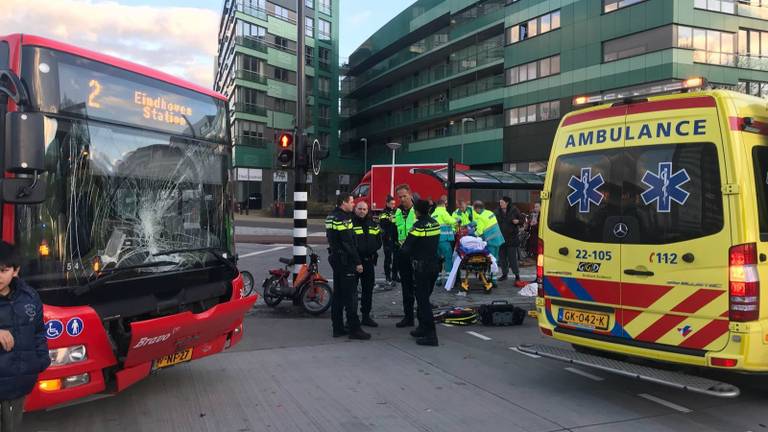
642, 107
626, 316
561, 287
697, 300
595, 115
641, 295
660, 328
739, 124
725, 314
706, 335
602, 291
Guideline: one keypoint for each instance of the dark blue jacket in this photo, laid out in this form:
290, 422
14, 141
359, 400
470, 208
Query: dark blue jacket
22, 314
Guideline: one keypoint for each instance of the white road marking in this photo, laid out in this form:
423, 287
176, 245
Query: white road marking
524, 353
478, 335
666, 403
584, 374
447, 325
262, 252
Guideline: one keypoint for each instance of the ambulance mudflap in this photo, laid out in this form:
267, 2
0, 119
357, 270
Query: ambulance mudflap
634, 213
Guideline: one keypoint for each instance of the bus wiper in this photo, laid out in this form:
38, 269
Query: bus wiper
111, 273
217, 252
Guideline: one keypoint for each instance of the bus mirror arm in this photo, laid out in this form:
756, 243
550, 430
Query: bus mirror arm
23, 190
11, 85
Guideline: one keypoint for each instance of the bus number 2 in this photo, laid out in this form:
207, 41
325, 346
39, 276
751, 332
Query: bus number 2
95, 90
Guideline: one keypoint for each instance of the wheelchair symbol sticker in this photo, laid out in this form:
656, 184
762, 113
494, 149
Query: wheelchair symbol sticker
53, 329
74, 327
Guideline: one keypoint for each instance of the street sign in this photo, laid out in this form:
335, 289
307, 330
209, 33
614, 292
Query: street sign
280, 176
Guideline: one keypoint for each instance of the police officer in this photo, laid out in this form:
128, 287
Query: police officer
368, 236
405, 217
346, 264
389, 238
420, 248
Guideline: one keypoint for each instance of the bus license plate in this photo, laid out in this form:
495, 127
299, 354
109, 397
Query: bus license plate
173, 359
579, 318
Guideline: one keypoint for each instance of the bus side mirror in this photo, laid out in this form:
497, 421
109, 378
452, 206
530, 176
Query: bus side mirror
24, 155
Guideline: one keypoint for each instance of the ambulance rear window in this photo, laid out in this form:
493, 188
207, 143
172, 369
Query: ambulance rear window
661, 194
586, 194
760, 160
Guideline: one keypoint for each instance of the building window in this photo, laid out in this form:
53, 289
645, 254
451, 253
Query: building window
325, 7
281, 42
533, 27
282, 12
309, 3
285, 106
710, 46
281, 74
612, 5
638, 43
309, 52
724, 6
754, 88
251, 30
324, 29
324, 87
324, 59
531, 71
533, 113
249, 133
309, 26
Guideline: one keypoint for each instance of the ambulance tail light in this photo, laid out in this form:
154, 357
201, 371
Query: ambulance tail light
743, 283
540, 267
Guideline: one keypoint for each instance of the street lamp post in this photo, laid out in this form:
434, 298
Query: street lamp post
393, 146
365, 154
463, 129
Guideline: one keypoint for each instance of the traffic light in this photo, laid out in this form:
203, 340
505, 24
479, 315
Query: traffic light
285, 149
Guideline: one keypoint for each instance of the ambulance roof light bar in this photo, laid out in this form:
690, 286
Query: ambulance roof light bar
636, 93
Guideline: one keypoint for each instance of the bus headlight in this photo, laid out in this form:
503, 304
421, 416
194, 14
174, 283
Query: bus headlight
67, 355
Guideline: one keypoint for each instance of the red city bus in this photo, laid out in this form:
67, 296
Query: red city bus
117, 197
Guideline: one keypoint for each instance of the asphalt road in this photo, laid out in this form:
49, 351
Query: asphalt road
289, 374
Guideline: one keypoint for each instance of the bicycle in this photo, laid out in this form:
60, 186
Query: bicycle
309, 287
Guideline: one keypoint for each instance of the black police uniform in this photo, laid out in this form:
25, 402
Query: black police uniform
389, 239
368, 237
421, 248
343, 257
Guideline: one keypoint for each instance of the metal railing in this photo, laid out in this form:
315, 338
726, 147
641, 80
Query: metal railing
249, 108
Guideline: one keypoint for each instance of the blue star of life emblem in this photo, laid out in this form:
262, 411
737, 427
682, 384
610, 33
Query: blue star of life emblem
585, 190
665, 187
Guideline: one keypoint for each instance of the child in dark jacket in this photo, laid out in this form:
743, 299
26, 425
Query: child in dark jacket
23, 346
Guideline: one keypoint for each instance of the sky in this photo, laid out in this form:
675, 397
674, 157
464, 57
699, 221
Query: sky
176, 36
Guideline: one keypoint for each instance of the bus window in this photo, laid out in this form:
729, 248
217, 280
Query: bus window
4, 55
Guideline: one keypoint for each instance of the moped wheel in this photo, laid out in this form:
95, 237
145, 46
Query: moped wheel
248, 283
316, 297
270, 299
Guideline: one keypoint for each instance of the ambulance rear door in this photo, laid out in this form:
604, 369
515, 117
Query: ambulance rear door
582, 271
674, 252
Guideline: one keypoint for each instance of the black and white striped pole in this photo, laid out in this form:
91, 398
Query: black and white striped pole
300, 178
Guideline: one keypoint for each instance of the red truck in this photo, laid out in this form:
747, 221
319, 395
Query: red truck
379, 182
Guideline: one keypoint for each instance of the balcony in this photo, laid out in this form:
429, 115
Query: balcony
252, 43
248, 108
251, 141
428, 45
433, 75
752, 62
251, 76
759, 12
405, 117
324, 66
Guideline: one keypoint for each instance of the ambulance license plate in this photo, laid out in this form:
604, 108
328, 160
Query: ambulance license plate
579, 318
174, 359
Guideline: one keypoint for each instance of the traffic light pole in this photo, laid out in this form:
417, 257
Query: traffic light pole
300, 140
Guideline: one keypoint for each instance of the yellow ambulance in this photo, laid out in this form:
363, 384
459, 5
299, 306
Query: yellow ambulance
654, 230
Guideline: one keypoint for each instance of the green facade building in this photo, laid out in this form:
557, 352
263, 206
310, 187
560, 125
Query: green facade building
256, 69
488, 81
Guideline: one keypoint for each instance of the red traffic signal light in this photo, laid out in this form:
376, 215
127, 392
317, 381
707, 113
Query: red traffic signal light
285, 140
285, 149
